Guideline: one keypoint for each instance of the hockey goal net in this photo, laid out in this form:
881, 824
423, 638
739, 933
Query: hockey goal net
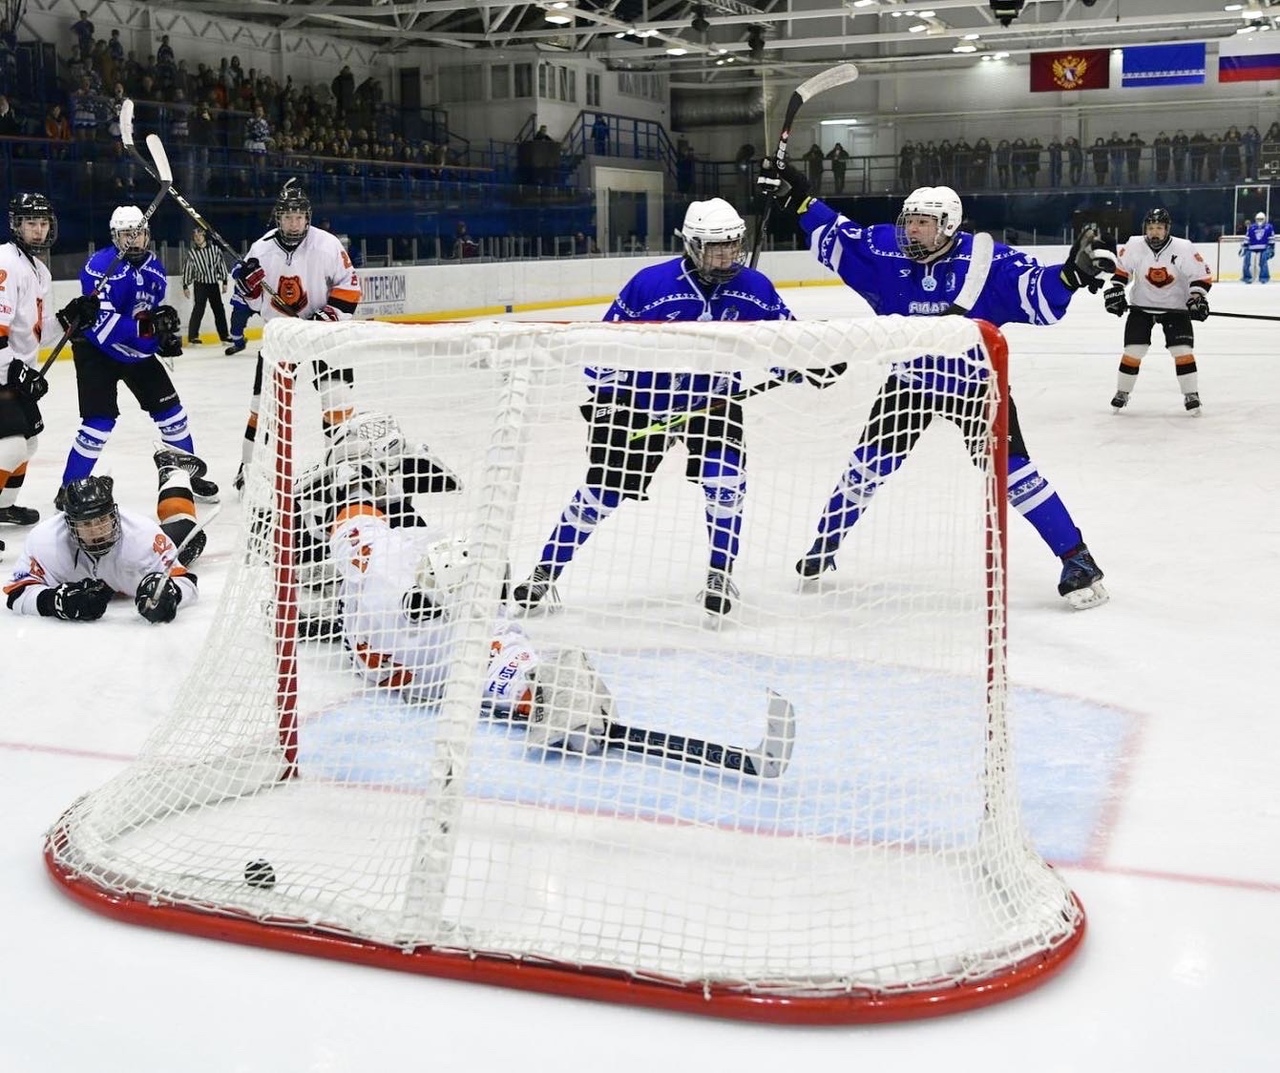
1230, 266
875, 867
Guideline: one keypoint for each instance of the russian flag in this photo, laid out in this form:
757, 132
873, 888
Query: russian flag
1249, 58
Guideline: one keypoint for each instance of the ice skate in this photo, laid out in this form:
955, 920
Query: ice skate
169, 457
816, 561
538, 588
16, 515
236, 346
1191, 400
1120, 400
1081, 582
720, 592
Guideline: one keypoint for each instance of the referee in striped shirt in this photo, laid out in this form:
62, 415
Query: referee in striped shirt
206, 271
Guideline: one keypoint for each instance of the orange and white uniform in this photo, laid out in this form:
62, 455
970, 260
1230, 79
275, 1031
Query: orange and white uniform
26, 319
52, 556
1161, 280
317, 272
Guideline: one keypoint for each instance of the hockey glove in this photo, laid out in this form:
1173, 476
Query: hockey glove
1114, 301
325, 313
1089, 257
169, 346
30, 382
165, 320
249, 277
419, 607
1198, 305
819, 378
613, 408
79, 313
165, 608
75, 601
788, 189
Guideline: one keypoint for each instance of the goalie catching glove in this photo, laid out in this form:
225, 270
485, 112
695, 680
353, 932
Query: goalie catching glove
571, 705
788, 188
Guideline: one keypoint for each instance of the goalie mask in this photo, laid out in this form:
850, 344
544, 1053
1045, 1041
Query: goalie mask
32, 223
292, 215
92, 514
443, 567
712, 236
131, 235
928, 222
1157, 226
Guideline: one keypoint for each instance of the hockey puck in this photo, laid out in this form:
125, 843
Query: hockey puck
260, 874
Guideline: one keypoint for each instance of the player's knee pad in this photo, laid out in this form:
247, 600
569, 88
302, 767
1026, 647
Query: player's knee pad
724, 486
13, 452
1181, 354
590, 506
1026, 489
1135, 352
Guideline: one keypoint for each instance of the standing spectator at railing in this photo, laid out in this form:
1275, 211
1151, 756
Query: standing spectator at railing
813, 159
1004, 162
1178, 147
1163, 148
839, 157
115, 49
1251, 149
84, 112
1075, 161
600, 136
906, 165
980, 170
1231, 154
166, 69
1213, 158
1018, 161
946, 162
82, 30
1198, 149
9, 125
1054, 150
1101, 160
963, 161
343, 87
1116, 149
1032, 165
1133, 157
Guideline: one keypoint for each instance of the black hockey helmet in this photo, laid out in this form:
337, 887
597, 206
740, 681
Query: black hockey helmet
86, 504
291, 199
32, 207
1157, 216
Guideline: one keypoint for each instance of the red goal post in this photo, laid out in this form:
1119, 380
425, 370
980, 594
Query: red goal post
883, 873
1229, 266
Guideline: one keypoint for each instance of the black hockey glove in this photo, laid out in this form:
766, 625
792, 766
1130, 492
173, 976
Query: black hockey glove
613, 408
418, 606
819, 378
165, 608
1090, 256
789, 189
75, 601
249, 277
163, 320
30, 382
79, 313
169, 346
1198, 305
325, 313
1114, 300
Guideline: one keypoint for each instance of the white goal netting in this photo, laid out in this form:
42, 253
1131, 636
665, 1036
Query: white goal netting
827, 828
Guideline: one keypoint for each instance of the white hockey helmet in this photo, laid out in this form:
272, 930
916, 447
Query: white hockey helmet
443, 566
369, 449
130, 233
712, 234
1261, 218
940, 203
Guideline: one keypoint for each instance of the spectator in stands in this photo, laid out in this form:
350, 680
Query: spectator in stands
582, 245
1213, 158
839, 157
541, 135
906, 165
813, 159
1133, 157
9, 126
1231, 154
57, 129
1055, 149
1004, 160
8, 58
1197, 150
1031, 161
114, 103
463, 244
1018, 161
980, 170
82, 30
1178, 153
600, 135
964, 162
1163, 149
257, 135
344, 90
1251, 148
1101, 159
115, 49
84, 112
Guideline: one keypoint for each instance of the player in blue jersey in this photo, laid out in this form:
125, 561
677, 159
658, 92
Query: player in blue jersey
1258, 243
710, 282
121, 331
919, 266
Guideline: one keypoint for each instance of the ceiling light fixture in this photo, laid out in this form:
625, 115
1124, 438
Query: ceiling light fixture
700, 24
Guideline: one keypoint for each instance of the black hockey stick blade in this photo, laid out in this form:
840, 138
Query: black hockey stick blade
768, 760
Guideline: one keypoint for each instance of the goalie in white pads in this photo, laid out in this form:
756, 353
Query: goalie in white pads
399, 595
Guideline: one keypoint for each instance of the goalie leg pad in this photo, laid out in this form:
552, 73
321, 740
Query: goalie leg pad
572, 707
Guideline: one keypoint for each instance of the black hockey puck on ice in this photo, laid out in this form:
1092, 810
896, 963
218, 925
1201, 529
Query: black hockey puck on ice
260, 874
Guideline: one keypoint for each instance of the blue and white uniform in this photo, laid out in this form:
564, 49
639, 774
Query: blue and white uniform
1257, 249
1018, 290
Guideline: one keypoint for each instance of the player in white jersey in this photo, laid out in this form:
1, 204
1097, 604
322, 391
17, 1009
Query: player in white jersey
1170, 284
25, 316
297, 270
76, 561
398, 592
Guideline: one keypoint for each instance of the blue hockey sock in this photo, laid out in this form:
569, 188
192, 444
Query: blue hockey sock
1034, 498
586, 510
724, 487
91, 440
852, 495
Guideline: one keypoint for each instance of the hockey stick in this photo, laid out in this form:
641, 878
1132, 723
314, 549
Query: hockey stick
164, 176
839, 75
1241, 316
198, 528
794, 376
767, 760
976, 278
126, 137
